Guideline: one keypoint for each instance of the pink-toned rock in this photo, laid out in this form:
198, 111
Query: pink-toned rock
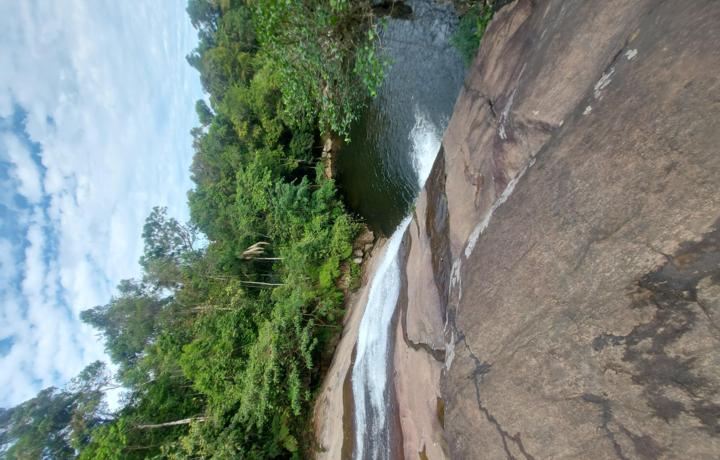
419, 341
583, 187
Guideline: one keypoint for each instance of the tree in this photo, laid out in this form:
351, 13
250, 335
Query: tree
56, 422
204, 16
169, 246
128, 323
325, 55
165, 237
38, 428
203, 112
90, 409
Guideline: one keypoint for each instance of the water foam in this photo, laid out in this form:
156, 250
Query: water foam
369, 374
483, 224
425, 141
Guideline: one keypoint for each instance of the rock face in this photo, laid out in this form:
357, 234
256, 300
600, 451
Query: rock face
419, 349
582, 170
331, 148
562, 271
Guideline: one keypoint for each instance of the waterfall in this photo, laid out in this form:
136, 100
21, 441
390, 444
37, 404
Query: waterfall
369, 375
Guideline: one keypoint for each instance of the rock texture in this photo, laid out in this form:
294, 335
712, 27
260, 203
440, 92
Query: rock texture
419, 351
582, 171
330, 150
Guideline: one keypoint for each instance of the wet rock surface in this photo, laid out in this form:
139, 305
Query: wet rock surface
419, 350
582, 185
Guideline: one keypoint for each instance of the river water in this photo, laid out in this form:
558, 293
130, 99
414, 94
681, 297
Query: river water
381, 172
377, 173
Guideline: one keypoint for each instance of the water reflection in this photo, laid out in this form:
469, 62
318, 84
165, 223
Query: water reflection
376, 173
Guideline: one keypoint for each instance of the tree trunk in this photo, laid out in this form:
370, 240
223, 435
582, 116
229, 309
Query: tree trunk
260, 283
185, 421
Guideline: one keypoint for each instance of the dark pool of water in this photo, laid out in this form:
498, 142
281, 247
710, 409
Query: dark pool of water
375, 171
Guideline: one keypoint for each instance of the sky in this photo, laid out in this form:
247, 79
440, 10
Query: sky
96, 106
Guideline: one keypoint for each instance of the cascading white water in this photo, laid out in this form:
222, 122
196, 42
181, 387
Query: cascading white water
369, 374
369, 378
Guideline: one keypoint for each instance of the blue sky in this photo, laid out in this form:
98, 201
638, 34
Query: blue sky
96, 105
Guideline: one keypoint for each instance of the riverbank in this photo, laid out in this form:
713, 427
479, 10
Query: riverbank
333, 412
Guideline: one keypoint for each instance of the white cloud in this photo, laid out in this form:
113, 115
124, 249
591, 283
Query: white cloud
109, 100
23, 169
7, 262
10, 314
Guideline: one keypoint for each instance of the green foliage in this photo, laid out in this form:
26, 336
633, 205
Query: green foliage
203, 112
169, 247
128, 323
51, 410
56, 421
108, 442
471, 29
324, 54
369, 67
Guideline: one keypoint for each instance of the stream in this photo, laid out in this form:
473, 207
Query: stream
377, 172
380, 172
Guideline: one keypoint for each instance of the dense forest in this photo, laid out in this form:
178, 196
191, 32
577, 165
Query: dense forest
219, 347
